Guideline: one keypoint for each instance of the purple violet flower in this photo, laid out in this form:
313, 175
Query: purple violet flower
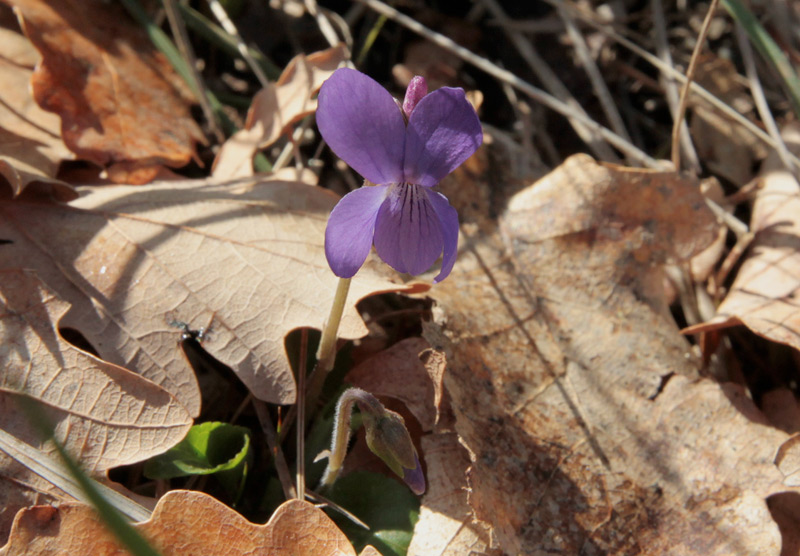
409, 223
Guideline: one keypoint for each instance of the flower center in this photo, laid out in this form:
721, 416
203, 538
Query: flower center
410, 201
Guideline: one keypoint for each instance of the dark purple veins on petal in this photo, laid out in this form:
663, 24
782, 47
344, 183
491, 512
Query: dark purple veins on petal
408, 235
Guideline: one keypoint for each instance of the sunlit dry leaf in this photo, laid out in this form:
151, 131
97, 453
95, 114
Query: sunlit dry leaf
723, 146
121, 104
788, 461
588, 427
247, 261
399, 373
184, 523
104, 415
765, 296
30, 138
275, 108
446, 526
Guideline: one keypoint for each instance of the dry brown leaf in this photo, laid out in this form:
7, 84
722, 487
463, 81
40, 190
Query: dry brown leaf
184, 523
31, 148
247, 261
104, 415
120, 102
445, 526
399, 373
724, 146
588, 429
766, 292
781, 408
275, 108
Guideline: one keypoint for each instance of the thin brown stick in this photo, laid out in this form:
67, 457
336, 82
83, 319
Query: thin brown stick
727, 111
757, 91
301, 416
671, 90
275, 449
506, 76
185, 47
553, 84
599, 86
222, 16
676, 126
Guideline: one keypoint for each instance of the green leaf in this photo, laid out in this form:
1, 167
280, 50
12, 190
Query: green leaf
388, 507
208, 448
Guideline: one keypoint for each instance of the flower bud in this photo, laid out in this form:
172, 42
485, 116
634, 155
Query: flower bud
388, 438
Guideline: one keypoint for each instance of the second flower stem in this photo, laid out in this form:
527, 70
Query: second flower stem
326, 353
307, 394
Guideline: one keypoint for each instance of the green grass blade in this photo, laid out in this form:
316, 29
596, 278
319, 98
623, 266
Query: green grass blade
214, 34
109, 515
767, 47
165, 45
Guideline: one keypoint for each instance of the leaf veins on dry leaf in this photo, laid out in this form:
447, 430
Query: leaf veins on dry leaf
245, 261
30, 138
765, 296
184, 523
105, 416
588, 427
121, 104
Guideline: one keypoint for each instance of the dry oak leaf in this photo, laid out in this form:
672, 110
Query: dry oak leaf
248, 261
446, 526
31, 148
121, 104
275, 108
588, 428
398, 372
766, 292
725, 147
184, 523
106, 416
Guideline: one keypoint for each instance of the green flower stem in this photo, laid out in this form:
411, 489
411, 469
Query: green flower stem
341, 428
326, 352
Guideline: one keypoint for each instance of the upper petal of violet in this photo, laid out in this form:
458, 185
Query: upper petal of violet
348, 236
362, 124
443, 131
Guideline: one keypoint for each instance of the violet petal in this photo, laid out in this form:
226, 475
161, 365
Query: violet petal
417, 88
415, 478
351, 225
408, 234
448, 216
362, 124
443, 131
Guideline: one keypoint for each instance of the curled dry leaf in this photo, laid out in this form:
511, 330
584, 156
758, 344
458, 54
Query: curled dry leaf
723, 146
31, 148
446, 526
184, 523
766, 292
588, 428
104, 415
247, 262
275, 108
121, 104
399, 373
